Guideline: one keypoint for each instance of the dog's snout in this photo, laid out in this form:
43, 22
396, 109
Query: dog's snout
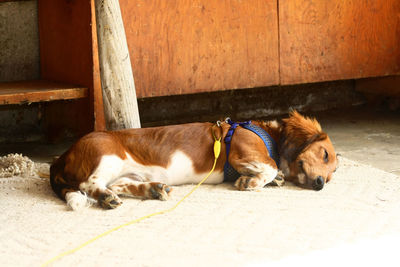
318, 183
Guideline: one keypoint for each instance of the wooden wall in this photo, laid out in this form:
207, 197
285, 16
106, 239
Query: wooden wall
190, 46
340, 39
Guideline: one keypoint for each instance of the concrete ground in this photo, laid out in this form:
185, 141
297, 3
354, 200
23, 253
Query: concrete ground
363, 134
366, 135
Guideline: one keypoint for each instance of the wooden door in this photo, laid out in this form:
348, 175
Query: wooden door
190, 46
324, 40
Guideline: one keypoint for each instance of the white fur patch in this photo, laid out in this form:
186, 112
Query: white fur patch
76, 200
267, 172
274, 124
302, 178
181, 171
109, 168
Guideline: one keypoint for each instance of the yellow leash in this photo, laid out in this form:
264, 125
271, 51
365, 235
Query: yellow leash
217, 150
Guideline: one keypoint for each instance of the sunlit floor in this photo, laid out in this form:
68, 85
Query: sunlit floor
366, 135
362, 134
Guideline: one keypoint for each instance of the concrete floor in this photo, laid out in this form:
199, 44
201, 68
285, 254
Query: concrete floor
366, 135
362, 134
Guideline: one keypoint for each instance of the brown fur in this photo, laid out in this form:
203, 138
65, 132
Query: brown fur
304, 140
299, 139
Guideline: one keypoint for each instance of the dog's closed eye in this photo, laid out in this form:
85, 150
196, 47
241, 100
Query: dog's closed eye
326, 156
301, 165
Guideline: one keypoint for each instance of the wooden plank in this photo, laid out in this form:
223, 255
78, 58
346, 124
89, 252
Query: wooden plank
38, 91
68, 54
96, 97
66, 41
340, 39
191, 46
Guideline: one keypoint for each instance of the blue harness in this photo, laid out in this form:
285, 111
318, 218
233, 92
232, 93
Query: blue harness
230, 174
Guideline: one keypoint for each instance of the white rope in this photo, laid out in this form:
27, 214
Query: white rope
19, 165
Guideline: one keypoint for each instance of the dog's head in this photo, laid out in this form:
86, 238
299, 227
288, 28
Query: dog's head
307, 154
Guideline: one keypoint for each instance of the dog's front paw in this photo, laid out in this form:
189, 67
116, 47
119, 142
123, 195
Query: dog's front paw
248, 183
159, 191
279, 180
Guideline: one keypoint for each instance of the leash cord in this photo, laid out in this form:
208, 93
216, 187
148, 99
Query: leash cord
217, 150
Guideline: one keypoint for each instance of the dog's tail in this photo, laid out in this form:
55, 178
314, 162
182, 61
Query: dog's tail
75, 199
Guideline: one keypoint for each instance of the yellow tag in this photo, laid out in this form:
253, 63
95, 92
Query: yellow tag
217, 148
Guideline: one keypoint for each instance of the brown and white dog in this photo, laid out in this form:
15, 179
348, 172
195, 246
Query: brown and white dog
145, 162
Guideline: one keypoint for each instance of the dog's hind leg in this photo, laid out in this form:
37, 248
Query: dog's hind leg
96, 188
129, 187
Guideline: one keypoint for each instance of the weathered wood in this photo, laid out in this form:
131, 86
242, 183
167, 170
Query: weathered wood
340, 39
191, 46
38, 91
119, 93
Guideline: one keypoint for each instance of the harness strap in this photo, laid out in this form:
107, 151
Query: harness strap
228, 137
230, 174
268, 141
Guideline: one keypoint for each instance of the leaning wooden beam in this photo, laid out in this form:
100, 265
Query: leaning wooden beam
119, 95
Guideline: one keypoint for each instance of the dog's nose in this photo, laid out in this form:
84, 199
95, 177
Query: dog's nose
318, 183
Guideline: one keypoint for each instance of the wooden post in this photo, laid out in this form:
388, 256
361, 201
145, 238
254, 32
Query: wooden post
119, 95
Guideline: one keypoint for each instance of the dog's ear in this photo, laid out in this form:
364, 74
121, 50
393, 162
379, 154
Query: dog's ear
296, 121
302, 127
298, 133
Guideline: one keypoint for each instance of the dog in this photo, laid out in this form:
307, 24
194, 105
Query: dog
146, 162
